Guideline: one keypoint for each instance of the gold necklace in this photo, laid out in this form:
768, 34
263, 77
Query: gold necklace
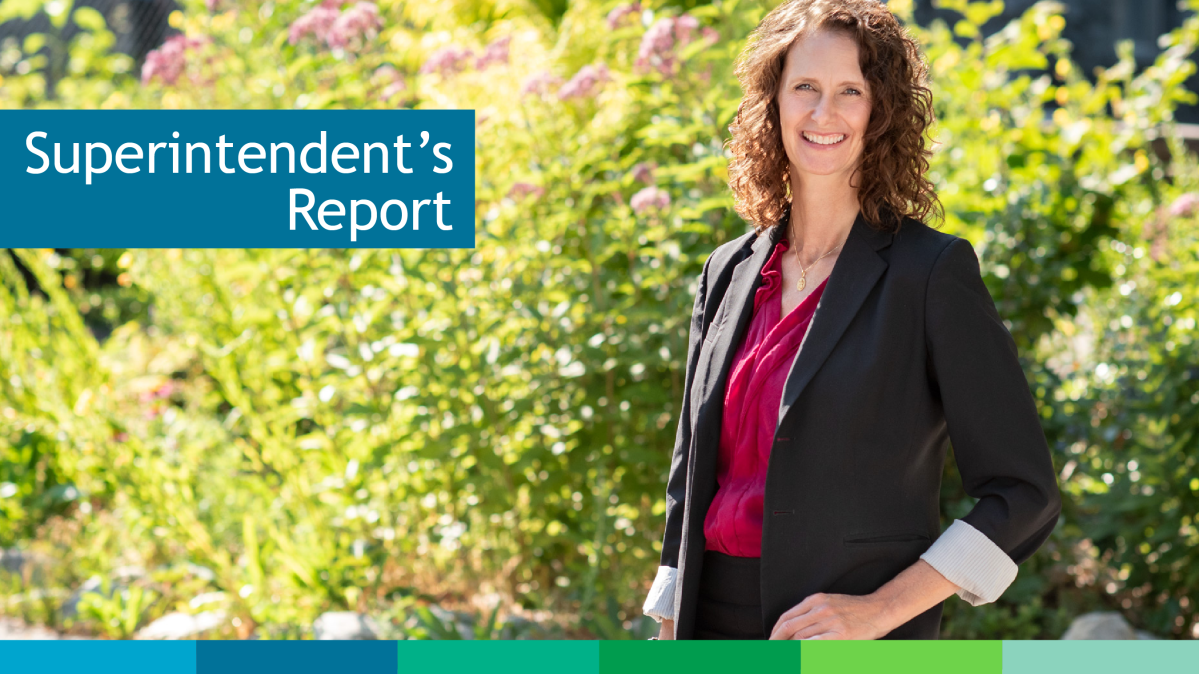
803, 273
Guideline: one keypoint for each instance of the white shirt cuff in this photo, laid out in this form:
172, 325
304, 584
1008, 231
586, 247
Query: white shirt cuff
970, 560
660, 603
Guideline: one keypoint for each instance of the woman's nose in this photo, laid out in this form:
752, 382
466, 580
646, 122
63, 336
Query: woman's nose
823, 108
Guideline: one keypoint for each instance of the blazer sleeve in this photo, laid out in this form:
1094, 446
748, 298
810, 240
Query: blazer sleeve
676, 484
989, 410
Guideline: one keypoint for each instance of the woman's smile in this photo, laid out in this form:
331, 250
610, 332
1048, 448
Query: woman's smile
823, 138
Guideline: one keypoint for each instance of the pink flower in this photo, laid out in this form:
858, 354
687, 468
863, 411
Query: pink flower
650, 197
356, 22
710, 35
316, 23
585, 82
1185, 206
540, 83
644, 172
393, 81
447, 60
496, 52
657, 45
520, 190
684, 25
160, 392
620, 12
169, 61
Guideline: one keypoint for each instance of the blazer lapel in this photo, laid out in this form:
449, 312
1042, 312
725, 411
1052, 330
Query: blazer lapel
736, 309
716, 354
857, 270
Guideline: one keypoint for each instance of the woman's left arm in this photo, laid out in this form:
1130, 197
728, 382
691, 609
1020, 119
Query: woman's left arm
1001, 454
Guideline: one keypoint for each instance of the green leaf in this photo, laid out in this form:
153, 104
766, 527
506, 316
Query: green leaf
89, 19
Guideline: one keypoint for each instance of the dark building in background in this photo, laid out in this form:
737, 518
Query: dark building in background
138, 26
1094, 27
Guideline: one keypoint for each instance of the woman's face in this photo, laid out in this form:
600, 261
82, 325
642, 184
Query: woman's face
824, 105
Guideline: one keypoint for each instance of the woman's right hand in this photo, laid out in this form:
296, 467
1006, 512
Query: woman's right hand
666, 631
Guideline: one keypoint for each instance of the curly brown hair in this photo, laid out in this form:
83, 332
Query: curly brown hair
895, 157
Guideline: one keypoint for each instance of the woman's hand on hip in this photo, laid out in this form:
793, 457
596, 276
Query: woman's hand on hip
841, 616
832, 616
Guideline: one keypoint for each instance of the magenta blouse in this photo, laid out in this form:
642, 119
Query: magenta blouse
752, 396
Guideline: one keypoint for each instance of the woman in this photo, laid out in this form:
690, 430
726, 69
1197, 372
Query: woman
802, 500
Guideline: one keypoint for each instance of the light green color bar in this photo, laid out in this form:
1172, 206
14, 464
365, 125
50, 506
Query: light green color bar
1099, 657
700, 657
903, 657
498, 657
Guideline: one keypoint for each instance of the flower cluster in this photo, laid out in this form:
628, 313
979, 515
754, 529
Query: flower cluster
644, 172
649, 198
496, 52
657, 49
447, 60
391, 80
358, 22
170, 60
316, 22
337, 29
620, 12
540, 83
1185, 206
520, 190
454, 59
585, 83
156, 400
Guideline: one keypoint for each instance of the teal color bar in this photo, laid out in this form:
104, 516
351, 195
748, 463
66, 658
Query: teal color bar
295, 657
498, 657
699, 657
1099, 657
98, 657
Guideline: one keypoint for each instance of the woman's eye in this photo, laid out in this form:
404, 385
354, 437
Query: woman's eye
801, 86
855, 92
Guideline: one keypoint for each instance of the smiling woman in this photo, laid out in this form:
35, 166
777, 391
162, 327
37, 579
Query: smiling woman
826, 101
835, 352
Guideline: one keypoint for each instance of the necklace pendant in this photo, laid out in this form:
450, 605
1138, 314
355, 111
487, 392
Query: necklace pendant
802, 282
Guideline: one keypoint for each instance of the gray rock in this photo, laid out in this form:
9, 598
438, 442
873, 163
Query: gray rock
70, 608
118, 582
1100, 625
463, 622
342, 625
31, 567
12, 629
181, 625
1142, 634
12, 560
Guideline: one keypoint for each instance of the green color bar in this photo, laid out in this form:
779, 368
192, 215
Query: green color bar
498, 657
700, 657
903, 657
1099, 657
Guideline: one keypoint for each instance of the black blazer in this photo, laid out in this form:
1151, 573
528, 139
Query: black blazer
904, 353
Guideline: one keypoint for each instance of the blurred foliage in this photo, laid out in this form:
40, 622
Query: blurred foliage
287, 432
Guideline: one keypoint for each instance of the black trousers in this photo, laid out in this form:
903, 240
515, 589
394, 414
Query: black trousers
730, 593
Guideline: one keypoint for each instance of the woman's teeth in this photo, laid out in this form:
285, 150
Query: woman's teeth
824, 140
